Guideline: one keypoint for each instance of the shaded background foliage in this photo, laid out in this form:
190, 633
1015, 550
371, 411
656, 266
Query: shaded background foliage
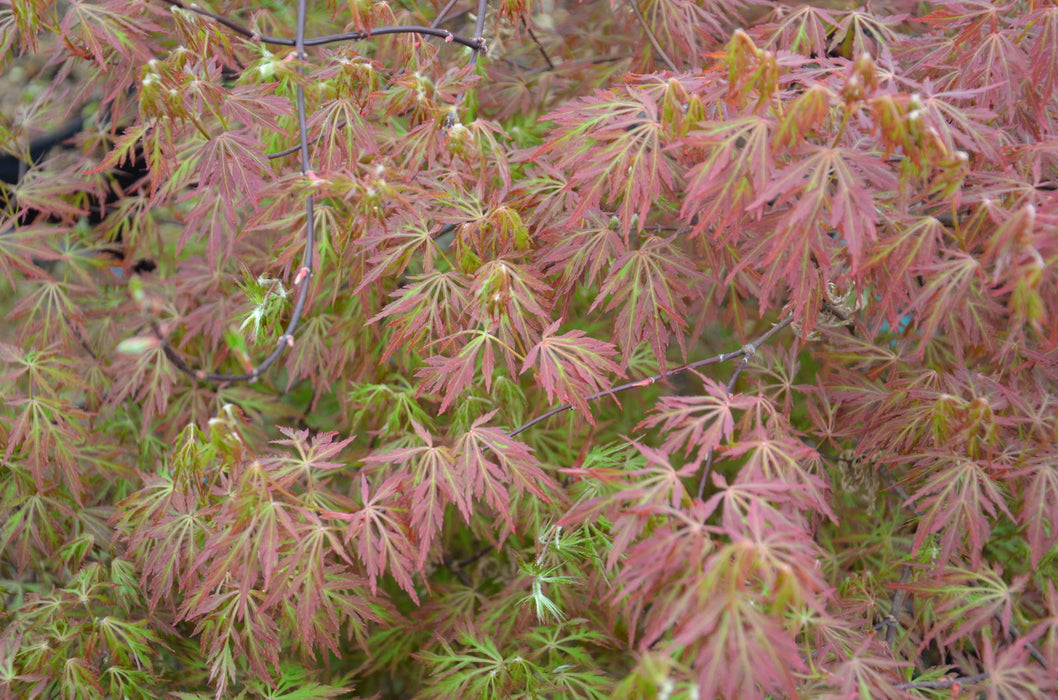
664, 349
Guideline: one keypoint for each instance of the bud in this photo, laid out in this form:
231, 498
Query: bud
137, 345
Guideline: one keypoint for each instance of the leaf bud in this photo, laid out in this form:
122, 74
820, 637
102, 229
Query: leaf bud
137, 345
867, 71
457, 139
853, 90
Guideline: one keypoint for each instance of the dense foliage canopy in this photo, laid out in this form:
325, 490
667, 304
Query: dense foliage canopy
644, 348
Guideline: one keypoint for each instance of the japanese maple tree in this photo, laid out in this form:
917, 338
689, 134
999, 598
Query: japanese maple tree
644, 349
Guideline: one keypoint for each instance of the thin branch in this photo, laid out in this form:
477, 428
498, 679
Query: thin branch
443, 13
946, 683
593, 61
475, 44
653, 39
745, 350
746, 353
479, 29
539, 45
304, 274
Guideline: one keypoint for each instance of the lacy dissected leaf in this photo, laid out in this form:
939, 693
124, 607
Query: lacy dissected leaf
904, 246
1009, 674
957, 499
692, 26
804, 30
952, 299
511, 298
231, 162
318, 596
570, 366
48, 433
966, 602
649, 287
830, 189
490, 460
871, 668
167, 529
1039, 509
318, 453
698, 424
392, 251
429, 307
451, 376
858, 33
382, 534
610, 144
97, 30
475, 669
19, 246
1044, 54
580, 256
61, 193
959, 121
436, 482
786, 460
993, 60
736, 166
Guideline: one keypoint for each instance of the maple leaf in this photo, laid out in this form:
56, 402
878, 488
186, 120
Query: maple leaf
317, 453
1044, 53
611, 145
581, 255
745, 639
736, 166
510, 297
436, 482
96, 30
430, 306
649, 287
1039, 510
910, 244
956, 499
803, 30
787, 460
952, 298
490, 459
1009, 674
967, 602
453, 375
698, 423
571, 366
232, 163
392, 251
383, 539
831, 188
20, 245
869, 667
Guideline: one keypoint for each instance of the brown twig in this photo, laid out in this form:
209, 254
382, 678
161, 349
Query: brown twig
650, 35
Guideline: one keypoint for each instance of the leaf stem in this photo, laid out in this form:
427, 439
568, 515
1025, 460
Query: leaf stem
650, 35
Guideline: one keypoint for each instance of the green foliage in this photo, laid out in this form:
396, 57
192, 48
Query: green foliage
703, 349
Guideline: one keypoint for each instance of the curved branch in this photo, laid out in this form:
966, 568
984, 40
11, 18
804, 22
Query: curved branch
478, 44
304, 274
653, 39
745, 352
